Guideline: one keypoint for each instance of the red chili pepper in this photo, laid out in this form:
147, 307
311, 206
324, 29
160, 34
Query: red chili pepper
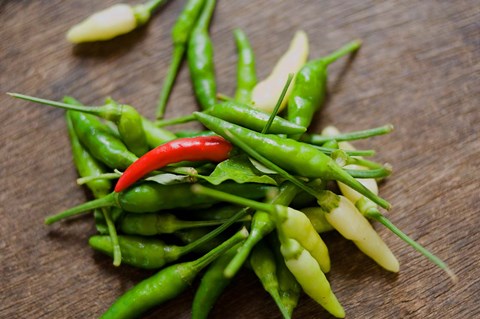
202, 148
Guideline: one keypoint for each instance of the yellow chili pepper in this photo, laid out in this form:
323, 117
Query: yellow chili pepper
266, 93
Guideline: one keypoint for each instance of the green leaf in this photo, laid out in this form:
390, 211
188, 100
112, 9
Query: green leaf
238, 169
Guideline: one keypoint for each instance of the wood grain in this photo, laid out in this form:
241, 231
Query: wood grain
418, 69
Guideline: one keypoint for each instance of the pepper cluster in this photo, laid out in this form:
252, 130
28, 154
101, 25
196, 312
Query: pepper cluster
254, 189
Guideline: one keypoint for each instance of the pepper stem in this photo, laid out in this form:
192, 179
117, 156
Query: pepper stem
177, 57
346, 49
112, 232
376, 215
351, 136
175, 121
199, 189
106, 201
214, 233
279, 103
329, 150
97, 110
370, 173
206, 259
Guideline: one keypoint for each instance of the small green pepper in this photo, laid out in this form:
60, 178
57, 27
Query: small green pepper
246, 76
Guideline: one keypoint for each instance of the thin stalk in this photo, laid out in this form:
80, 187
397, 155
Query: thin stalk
328, 151
369, 173
279, 103
112, 232
346, 49
174, 121
81, 108
224, 97
153, 4
351, 136
376, 215
87, 179
106, 201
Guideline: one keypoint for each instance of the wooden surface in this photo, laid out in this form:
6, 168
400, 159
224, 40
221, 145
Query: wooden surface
418, 69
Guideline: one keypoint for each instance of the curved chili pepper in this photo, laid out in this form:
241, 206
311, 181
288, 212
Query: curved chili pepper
200, 59
202, 148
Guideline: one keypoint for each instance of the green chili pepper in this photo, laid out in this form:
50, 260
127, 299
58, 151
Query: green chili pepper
87, 165
127, 119
181, 134
212, 285
319, 139
263, 264
262, 224
180, 34
246, 76
154, 253
243, 115
288, 287
155, 224
200, 59
301, 158
310, 86
166, 284
151, 197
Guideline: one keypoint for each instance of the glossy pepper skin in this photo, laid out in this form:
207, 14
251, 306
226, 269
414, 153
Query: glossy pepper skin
180, 34
310, 88
166, 284
203, 148
246, 74
300, 158
200, 59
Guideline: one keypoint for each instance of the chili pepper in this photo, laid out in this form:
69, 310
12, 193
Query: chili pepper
307, 272
166, 284
351, 224
213, 148
100, 222
246, 75
87, 165
155, 135
309, 90
263, 264
288, 287
266, 92
285, 153
200, 58
180, 34
154, 253
211, 286
112, 22
151, 197
127, 119
181, 134
262, 224
243, 115
155, 224
217, 212
289, 221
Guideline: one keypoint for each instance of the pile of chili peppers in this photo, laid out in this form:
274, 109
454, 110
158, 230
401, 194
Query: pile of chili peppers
253, 189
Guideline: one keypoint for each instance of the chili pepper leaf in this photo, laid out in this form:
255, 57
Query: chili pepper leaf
240, 170
169, 179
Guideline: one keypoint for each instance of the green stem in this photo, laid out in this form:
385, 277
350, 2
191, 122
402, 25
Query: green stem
81, 108
376, 215
224, 97
112, 232
214, 233
279, 103
346, 49
177, 58
106, 201
351, 136
199, 189
153, 4
175, 121
366, 163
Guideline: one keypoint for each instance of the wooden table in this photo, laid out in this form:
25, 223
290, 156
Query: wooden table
418, 69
